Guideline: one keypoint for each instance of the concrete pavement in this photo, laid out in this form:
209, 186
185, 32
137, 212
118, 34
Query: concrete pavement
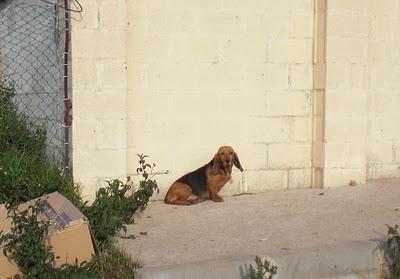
308, 233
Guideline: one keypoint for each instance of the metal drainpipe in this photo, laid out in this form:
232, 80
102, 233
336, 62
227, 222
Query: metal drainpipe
67, 101
318, 100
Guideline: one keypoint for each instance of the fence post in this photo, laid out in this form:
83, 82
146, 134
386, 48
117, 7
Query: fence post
318, 100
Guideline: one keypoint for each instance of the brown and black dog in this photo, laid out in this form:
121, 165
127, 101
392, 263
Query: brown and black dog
205, 182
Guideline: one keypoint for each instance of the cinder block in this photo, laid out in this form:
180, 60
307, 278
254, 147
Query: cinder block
337, 177
242, 104
142, 48
384, 152
165, 22
387, 170
193, 49
387, 8
268, 25
350, 26
225, 77
139, 131
112, 15
220, 23
270, 129
137, 20
335, 154
179, 77
290, 51
388, 129
354, 7
266, 77
301, 26
346, 103
193, 105
288, 103
137, 77
110, 134
101, 105
87, 77
83, 133
193, 4
90, 40
337, 75
302, 128
289, 155
256, 181
244, 50
222, 130
396, 147
348, 50
356, 155
146, 105
243, 5
357, 77
113, 74
100, 163
299, 178
345, 129
300, 76
289, 7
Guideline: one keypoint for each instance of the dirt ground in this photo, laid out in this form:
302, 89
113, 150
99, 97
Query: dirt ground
263, 223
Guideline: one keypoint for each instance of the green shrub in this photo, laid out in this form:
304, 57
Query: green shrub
263, 270
115, 204
26, 171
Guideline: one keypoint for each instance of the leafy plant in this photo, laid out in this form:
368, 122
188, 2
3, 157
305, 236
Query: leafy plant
393, 243
115, 204
25, 245
262, 270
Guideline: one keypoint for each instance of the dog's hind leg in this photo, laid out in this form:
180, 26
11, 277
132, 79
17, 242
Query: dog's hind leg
180, 194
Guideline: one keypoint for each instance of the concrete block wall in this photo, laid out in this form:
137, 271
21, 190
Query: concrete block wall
362, 96
383, 137
177, 79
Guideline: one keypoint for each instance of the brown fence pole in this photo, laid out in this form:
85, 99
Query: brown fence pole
67, 101
319, 86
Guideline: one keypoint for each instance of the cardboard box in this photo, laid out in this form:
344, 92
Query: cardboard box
69, 232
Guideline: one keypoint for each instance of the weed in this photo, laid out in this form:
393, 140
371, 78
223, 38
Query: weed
112, 257
263, 270
115, 204
393, 244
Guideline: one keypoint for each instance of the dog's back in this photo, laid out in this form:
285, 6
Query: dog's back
197, 180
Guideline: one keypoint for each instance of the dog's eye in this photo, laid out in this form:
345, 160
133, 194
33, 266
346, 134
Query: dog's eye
223, 154
230, 153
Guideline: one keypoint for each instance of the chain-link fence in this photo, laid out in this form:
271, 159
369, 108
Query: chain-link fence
32, 44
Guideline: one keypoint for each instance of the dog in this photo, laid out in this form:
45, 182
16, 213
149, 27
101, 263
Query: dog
205, 182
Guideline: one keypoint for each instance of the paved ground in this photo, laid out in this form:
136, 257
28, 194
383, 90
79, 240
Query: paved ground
269, 223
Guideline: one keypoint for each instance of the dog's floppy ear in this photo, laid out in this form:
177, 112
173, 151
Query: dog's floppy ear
236, 162
216, 165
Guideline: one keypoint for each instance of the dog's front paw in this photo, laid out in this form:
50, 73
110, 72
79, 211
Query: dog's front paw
218, 199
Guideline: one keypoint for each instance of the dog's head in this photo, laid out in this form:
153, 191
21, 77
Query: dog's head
225, 158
